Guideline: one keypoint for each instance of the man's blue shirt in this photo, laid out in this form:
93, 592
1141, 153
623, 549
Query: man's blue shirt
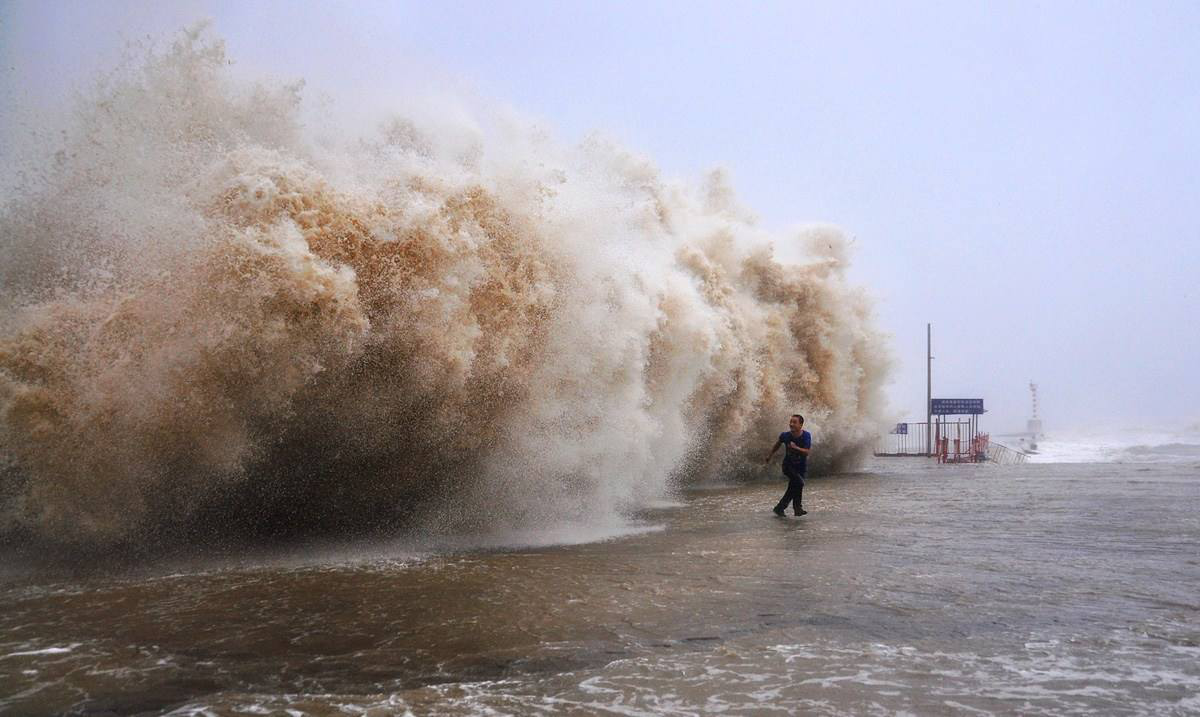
793, 458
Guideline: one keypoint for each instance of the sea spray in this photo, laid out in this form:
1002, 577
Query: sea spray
215, 328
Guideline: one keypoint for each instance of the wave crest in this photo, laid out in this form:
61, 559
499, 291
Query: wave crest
213, 327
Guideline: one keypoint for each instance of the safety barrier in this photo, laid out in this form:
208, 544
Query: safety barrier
1005, 456
953, 442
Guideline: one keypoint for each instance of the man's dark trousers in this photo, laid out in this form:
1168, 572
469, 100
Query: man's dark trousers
794, 490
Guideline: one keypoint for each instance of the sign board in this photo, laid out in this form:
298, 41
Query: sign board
901, 429
957, 406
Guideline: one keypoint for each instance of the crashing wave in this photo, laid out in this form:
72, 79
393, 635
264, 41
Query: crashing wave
213, 327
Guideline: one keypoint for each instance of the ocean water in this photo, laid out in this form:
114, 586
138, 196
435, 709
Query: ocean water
1121, 445
910, 588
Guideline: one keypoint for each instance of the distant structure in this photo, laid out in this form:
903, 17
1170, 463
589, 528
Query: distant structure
1028, 441
945, 434
1034, 425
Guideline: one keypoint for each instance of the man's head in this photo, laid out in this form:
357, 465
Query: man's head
796, 423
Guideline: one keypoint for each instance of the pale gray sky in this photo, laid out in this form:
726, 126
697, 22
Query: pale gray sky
1024, 176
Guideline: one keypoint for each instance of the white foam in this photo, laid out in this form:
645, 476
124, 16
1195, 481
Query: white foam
44, 651
615, 330
1120, 447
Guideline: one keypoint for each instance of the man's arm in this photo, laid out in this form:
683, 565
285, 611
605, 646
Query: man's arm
773, 449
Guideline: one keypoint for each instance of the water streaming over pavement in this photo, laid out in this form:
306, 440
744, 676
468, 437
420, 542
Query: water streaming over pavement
1036, 589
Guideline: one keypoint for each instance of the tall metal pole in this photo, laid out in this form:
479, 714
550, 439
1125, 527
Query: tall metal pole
929, 389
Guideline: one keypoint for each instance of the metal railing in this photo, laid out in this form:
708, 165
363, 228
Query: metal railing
1005, 456
955, 442
913, 442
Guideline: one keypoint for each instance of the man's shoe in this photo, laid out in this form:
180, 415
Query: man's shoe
780, 513
801, 512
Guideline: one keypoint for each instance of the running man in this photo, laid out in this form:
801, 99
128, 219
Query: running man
795, 460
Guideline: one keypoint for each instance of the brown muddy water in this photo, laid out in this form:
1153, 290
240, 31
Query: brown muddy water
1037, 589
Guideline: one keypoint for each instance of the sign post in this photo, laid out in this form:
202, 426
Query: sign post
929, 389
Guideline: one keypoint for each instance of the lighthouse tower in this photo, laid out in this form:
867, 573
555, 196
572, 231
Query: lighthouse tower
1034, 425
